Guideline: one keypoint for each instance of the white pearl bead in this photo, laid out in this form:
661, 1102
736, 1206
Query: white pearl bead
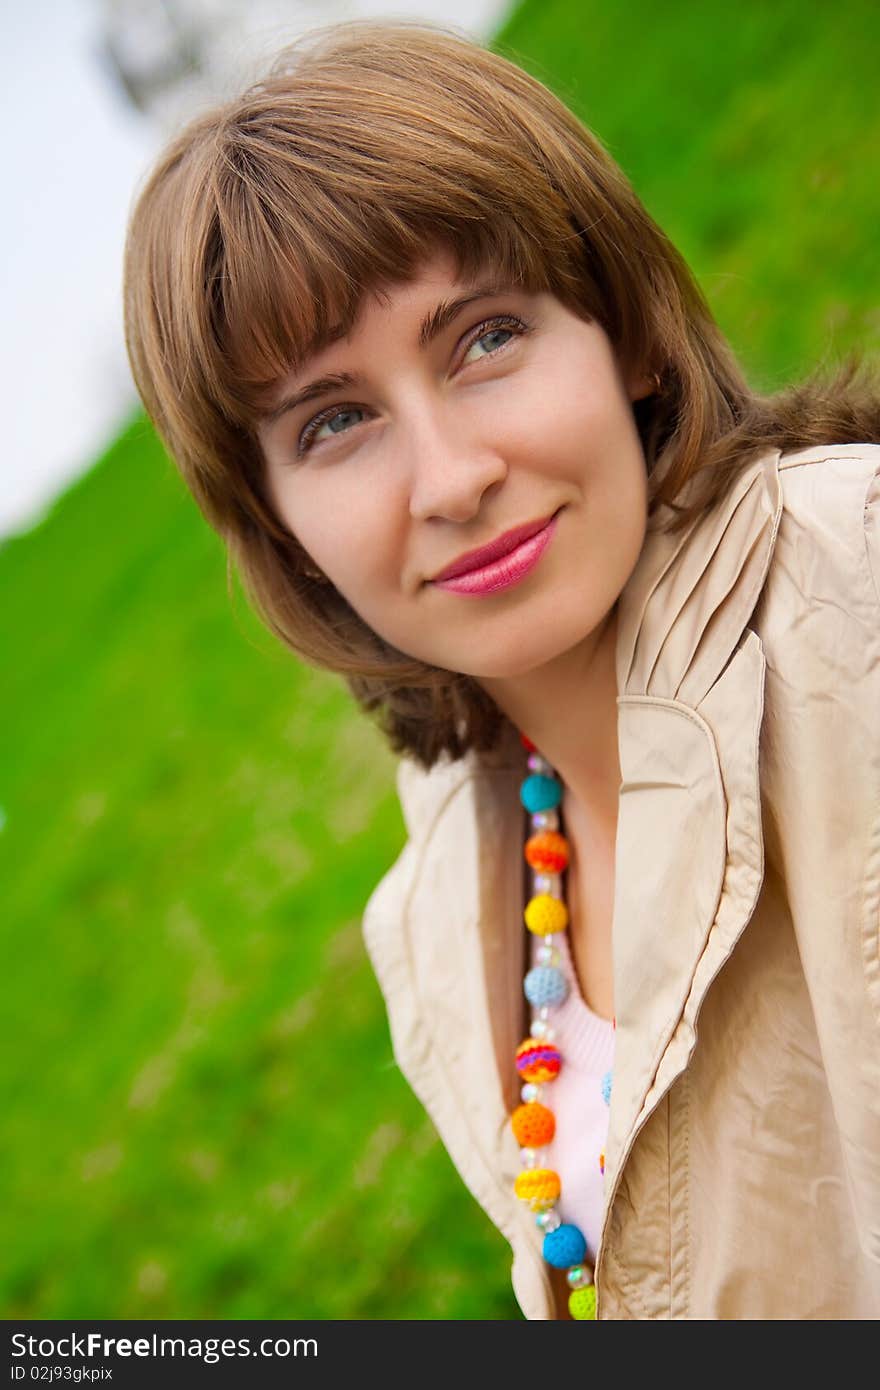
545, 820
529, 1157
530, 1092
542, 1029
544, 1012
548, 1220
547, 955
547, 883
536, 763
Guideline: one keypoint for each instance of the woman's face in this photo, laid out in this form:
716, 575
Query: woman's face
459, 424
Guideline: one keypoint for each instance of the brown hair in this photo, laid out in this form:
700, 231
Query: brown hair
367, 146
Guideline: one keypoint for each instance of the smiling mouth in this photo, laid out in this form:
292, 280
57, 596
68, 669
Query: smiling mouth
498, 549
505, 569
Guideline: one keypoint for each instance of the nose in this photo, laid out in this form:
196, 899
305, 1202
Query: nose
451, 467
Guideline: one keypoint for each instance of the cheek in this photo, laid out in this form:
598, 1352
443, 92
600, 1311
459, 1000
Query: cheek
570, 416
335, 522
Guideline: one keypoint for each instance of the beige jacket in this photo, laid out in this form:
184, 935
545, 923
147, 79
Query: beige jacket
742, 1174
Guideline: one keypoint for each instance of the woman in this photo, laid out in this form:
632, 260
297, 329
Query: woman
396, 304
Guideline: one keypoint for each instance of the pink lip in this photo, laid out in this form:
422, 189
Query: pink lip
485, 554
509, 568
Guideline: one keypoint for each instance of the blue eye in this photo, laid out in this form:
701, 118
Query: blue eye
510, 324
491, 334
330, 417
334, 419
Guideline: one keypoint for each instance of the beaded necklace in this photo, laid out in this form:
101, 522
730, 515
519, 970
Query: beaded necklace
538, 1060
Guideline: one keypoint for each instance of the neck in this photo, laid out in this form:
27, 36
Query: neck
568, 708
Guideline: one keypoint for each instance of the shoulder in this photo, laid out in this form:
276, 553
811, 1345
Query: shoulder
830, 473
795, 532
827, 553
442, 807
849, 455
819, 625
834, 481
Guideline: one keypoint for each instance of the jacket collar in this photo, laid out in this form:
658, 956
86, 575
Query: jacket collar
689, 853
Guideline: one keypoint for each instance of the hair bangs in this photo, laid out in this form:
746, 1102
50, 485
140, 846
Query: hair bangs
308, 226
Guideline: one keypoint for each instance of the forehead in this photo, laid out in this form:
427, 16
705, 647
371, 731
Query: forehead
436, 275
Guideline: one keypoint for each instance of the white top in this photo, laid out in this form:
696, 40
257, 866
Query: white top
576, 1098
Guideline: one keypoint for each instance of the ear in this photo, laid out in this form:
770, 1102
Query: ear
640, 387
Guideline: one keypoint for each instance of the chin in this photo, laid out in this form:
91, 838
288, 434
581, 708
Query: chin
514, 661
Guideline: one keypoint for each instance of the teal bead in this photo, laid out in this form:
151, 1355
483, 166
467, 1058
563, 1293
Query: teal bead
540, 793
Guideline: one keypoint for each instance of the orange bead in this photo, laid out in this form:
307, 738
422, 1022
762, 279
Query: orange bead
533, 1125
547, 852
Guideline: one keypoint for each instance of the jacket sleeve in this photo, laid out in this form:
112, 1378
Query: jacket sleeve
383, 915
422, 796
821, 787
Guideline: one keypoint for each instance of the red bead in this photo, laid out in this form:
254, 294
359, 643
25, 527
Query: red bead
537, 1060
527, 744
547, 852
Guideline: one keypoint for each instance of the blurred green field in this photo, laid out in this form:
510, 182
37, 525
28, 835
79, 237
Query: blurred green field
202, 1114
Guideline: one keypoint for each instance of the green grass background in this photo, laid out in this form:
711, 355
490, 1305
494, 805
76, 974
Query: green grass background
202, 1117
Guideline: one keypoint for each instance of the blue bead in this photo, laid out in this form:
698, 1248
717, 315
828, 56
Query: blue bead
606, 1088
545, 985
539, 793
563, 1247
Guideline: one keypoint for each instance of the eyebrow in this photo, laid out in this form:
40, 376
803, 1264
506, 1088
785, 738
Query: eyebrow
432, 325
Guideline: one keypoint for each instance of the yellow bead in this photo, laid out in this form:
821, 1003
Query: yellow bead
540, 1184
582, 1303
545, 914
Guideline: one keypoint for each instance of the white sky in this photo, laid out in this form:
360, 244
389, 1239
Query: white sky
74, 152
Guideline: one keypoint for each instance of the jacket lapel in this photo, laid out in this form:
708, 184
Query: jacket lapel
690, 856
